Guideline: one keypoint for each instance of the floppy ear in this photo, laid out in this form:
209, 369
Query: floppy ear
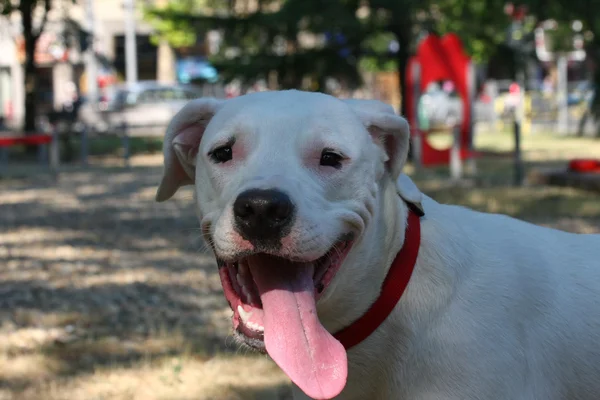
180, 146
392, 132
388, 129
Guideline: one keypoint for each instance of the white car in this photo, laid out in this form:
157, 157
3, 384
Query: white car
142, 109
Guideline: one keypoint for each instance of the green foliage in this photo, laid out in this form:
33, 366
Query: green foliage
179, 33
375, 53
261, 42
481, 24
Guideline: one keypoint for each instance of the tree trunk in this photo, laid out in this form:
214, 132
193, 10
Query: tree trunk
30, 39
402, 59
30, 86
404, 38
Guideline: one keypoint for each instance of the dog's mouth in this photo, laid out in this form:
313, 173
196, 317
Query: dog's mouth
274, 310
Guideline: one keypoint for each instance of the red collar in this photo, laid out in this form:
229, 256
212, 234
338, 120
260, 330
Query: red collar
392, 289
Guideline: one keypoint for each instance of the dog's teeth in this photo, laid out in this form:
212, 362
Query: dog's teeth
244, 315
255, 327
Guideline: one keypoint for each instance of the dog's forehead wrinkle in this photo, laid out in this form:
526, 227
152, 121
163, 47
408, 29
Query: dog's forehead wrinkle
287, 105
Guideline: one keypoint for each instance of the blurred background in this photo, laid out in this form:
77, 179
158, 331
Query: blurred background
106, 294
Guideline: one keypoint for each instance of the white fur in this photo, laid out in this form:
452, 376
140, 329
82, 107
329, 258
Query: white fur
496, 308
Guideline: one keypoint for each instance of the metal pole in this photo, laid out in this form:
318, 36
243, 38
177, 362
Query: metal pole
519, 118
43, 154
563, 90
522, 88
126, 144
55, 151
84, 146
455, 156
131, 68
4, 158
518, 159
90, 57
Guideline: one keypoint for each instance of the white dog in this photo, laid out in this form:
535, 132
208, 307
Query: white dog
304, 203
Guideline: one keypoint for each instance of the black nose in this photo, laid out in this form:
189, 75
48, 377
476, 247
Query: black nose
263, 214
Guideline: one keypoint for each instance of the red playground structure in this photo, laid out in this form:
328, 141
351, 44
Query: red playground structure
440, 59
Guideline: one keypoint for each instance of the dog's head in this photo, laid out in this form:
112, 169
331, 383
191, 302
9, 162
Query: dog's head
286, 184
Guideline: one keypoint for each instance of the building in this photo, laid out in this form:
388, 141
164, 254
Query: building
61, 55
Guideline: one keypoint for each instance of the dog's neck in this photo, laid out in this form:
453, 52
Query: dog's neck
364, 271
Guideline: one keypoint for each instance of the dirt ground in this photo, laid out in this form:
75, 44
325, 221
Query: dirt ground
105, 294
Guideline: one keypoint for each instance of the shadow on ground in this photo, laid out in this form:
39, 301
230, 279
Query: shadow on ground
96, 275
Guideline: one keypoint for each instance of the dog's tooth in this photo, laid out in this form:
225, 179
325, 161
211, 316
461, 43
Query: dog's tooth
244, 315
255, 327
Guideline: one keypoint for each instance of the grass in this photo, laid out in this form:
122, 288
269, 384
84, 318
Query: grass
564, 208
44, 355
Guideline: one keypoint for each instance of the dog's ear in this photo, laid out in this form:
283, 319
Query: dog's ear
392, 132
410, 192
180, 146
388, 129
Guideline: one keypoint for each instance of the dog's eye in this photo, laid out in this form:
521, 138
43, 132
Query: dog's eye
221, 154
331, 159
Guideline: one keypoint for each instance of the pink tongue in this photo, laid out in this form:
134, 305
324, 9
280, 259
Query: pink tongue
295, 339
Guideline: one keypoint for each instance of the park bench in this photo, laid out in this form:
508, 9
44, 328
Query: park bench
46, 144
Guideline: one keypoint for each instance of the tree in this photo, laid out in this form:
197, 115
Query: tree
302, 43
481, 24
345, 33
31, 34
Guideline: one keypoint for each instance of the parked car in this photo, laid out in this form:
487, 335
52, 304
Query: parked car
142, 109
90, 116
